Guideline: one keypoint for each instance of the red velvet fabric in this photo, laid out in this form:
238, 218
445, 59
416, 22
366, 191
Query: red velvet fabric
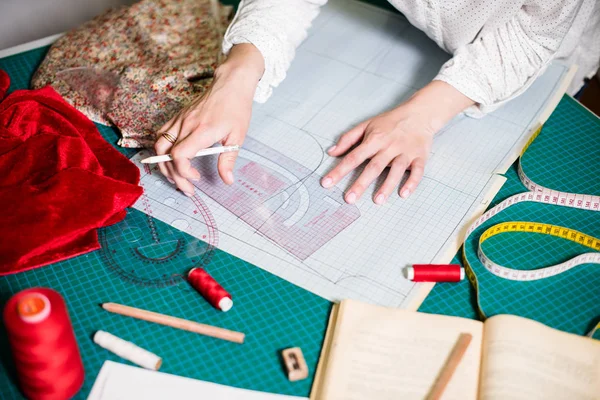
59, 180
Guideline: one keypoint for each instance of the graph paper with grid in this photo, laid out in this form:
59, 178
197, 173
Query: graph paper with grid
277, 216
276, 314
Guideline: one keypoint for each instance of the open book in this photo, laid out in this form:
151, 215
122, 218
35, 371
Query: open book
373, 352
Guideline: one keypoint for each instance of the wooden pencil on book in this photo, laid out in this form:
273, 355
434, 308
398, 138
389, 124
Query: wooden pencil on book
457, 353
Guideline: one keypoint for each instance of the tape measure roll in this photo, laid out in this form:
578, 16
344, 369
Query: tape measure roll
544, 229
538, 194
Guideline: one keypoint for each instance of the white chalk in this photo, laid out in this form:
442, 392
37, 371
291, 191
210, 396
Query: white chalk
128, 350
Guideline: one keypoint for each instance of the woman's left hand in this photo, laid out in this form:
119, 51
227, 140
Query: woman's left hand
400, 138
395, 139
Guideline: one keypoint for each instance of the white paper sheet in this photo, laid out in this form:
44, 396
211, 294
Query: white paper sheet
123, 382
357, 62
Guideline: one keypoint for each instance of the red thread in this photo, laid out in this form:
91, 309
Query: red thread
210, 289
44, 348
435, 273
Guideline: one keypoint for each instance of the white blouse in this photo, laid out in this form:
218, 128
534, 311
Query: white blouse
499, 47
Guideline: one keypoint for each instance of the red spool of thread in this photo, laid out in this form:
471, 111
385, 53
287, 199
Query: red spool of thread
435, 273
43, 343
210, 289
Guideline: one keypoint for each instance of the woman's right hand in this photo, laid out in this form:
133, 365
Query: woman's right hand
222, 114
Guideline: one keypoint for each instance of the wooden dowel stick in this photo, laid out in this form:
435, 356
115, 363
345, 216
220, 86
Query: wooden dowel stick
457, 353
175, 322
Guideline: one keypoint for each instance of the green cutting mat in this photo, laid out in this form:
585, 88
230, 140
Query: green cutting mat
273, 313
566, 157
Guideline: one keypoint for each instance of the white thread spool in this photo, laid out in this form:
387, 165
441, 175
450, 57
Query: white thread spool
128, 350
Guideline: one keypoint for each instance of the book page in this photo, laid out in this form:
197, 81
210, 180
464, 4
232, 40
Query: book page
524, 359
384, 353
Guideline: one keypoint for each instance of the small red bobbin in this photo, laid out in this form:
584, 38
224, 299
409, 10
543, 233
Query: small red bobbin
210, 289
435, 273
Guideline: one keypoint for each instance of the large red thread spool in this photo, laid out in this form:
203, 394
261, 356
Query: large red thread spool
435, 273
43, 343
210, 289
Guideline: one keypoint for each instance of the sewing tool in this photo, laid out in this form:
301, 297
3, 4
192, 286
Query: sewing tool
205, 152
128, 350
538, 194
457, 353
210, 289
44, 348
75, 276
435, 273
294, 363
174, 322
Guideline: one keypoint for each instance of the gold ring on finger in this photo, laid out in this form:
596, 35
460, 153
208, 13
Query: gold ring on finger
170, 138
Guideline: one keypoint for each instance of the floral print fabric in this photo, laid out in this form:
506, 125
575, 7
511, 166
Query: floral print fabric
136, 67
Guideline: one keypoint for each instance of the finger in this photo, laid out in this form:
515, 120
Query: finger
182, 184
350, 162
165, 171
227, 160
417, 170
189, 143
162, 145
186, 148
373, 169
348, 140
397, 169
183, 167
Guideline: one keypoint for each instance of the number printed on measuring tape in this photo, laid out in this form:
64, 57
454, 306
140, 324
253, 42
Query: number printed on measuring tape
538, 194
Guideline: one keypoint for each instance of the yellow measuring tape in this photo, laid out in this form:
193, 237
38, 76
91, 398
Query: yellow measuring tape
537, 194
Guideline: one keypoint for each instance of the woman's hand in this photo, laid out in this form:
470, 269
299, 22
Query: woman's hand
400, 138
393, 138
222, 115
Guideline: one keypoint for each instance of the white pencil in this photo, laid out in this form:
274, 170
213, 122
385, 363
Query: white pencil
205, 152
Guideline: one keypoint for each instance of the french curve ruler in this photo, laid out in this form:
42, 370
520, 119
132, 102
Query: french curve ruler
538, 194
